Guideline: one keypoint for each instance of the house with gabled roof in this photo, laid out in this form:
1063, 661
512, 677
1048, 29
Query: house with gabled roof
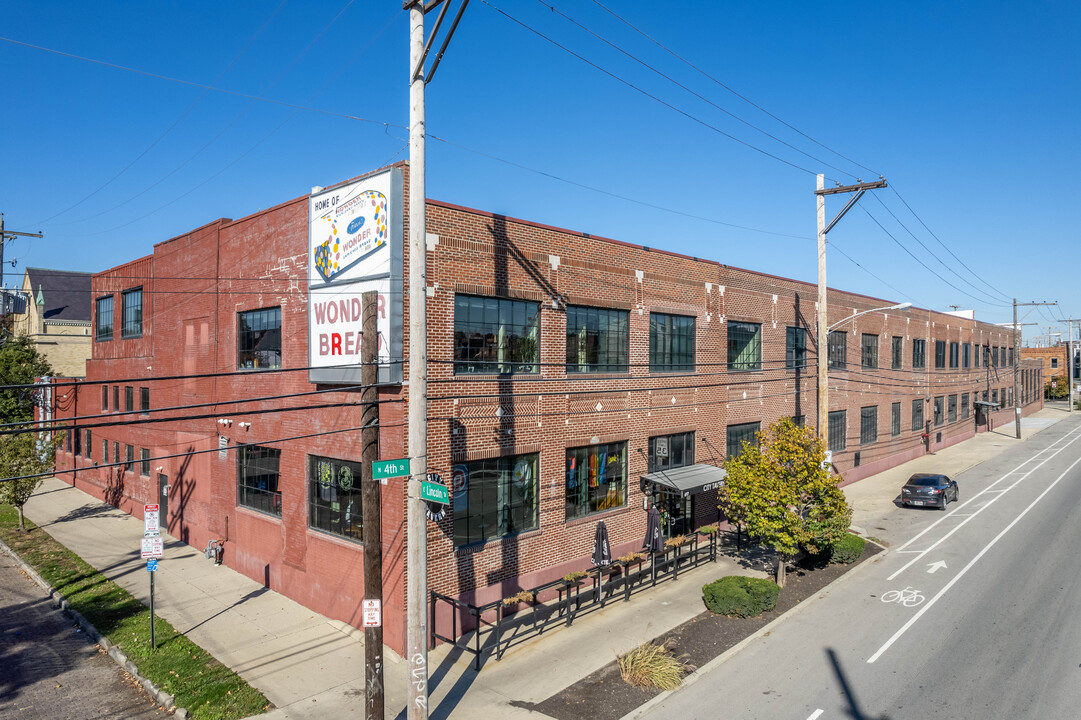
56, 317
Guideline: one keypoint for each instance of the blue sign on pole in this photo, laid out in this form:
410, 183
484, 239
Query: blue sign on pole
152, 565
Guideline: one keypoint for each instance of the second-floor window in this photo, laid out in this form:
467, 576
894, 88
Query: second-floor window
919, 354
496, 335
940, 353
869, 350
795, 347
671, 343
597, 340
259, 339
898, 352
131, 313
838, 348
103, 318
744, 346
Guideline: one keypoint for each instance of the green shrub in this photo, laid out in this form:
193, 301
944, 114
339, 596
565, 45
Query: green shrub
740, 596
847, 550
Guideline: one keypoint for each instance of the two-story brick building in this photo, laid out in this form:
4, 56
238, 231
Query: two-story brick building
565, 371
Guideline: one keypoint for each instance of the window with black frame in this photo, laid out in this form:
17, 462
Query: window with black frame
598, 340
257, 478
103, 318
86, 445
744, 346
940, 410
496, 335
144, 462
129, 458
129, 398
671, 343
966, 355
868, 424
954, 354
919, 354
838, 348
951, 408
917, 414
737, 435
964, 406
334, 497
494, 497
895, 419
144, 400
131, 313
836, 423
105, 398
940, 354
898, 344
596, 478
667, 452
259, 339
869, 350
795, 347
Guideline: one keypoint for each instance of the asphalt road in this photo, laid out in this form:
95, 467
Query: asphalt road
48, 671
975, 612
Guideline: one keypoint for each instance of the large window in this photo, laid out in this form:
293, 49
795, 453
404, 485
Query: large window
259, 339
837, 430
257, 478
838, 348
144, 462
597, 340
129, 398
940, 410
334, 497
596, 478
144, 400
671, 451
744, 346
103, 318
898, 352
795, 347
671, 343
951, 408
895, 419
129, 458
496, 335
131, 313
868, 424
964, 406
940, 353
966, 355
917, 414
954, 354
494, 497
739, 434
919, 354
869, 350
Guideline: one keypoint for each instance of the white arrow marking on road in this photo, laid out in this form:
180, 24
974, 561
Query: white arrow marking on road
935, 566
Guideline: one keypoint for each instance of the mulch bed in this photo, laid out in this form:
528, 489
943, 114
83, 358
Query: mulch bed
604, 696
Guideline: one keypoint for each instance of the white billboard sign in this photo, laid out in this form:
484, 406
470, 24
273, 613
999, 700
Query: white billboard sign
355, 245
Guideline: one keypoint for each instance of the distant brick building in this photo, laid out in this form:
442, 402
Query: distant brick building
565, 371
55, 315
1055, 359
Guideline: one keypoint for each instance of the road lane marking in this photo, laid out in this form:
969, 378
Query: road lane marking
990, 488
964, 522
919, 613
936, 566
815, 714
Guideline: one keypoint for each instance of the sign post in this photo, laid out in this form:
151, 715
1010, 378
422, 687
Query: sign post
152, 549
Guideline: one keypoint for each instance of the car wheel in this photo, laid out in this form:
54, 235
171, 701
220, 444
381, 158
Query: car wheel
944, 499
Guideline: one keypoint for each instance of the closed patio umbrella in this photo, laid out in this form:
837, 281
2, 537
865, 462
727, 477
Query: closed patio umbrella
602, 551
654, 541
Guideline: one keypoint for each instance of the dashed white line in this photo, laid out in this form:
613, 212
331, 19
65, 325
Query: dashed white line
815, 714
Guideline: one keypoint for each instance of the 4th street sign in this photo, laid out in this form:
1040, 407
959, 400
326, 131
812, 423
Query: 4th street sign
390, 468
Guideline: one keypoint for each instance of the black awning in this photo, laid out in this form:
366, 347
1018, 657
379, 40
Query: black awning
684, 481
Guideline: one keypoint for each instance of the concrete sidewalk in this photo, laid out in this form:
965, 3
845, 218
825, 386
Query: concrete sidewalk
312, 667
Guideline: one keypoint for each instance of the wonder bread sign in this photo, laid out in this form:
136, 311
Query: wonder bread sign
355, 245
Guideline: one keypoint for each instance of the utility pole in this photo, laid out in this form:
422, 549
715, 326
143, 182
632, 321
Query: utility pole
1017, 362
6, 235
370, 498
416, 595
823, 334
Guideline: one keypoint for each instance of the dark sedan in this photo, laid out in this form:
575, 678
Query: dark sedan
929, 490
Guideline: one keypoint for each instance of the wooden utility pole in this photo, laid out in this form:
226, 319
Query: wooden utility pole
370, 506
6, 235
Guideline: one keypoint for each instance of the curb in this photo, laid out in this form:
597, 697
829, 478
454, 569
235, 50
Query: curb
161, 697
699, 673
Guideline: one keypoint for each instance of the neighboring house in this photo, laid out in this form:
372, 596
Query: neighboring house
56, 317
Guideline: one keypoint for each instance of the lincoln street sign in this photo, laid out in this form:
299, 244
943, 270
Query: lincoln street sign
434, 492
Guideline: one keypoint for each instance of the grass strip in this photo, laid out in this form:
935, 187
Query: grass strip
208, 689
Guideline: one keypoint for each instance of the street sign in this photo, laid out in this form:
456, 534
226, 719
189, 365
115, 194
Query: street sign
390, 468
151, 526
373, 613
434, 493
152, 565
152, 548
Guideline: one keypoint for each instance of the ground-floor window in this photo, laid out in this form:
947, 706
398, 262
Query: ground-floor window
836, 425
868, 424
257, 478
940, 410
334, 496
671, 451
736, 435
895, 419
917, 414
596, 478
144, 462
951, 409
494, 497
964, 406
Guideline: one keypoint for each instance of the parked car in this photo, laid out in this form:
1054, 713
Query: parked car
929, 489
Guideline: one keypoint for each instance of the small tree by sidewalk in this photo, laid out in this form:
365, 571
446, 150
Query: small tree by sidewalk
784, 496
27, 453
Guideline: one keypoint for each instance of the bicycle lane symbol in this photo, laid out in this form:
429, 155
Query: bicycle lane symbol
909, 597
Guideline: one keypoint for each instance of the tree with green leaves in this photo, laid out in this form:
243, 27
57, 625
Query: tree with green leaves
22, 454
20, 364
784, 496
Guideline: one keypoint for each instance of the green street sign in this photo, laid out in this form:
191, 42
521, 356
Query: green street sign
434, 492
390, 468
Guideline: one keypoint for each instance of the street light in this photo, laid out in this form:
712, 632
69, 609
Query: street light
823, 359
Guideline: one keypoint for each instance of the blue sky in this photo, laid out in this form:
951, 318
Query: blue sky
970, 111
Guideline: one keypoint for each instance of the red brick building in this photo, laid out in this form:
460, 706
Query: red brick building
563, 370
